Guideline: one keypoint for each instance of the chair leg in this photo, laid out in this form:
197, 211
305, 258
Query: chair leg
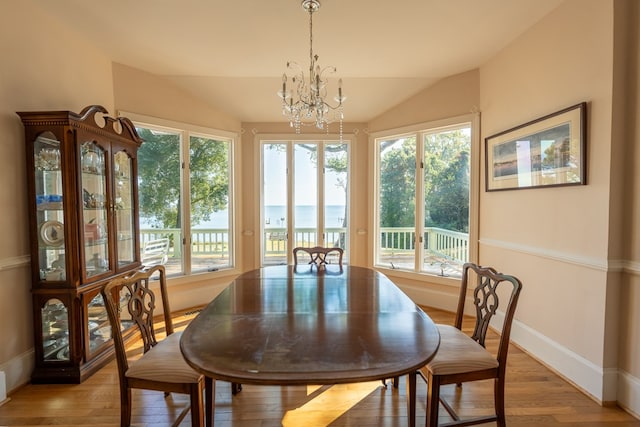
210, 396
125, 407
197, 407
433, 400
498, 395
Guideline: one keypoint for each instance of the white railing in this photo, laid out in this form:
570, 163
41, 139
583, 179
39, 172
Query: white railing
210, 241
437, 241
275, 239
448, 244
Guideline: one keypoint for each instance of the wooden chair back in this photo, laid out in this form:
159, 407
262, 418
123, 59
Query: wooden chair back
131, 304
318, 255
486, 302
463, 358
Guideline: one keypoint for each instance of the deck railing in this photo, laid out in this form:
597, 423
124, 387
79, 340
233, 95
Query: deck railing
448, 244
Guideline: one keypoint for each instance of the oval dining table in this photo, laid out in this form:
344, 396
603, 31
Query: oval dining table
304, 325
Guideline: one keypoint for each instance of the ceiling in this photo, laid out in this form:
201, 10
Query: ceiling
232, 53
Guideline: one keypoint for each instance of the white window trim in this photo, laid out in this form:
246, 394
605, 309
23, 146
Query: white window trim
194, 130
259, 139
474, 190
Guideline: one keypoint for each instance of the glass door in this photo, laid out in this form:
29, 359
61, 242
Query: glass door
305, 199
336, 196
307, 207
274, 203
95, 209
124, 208
49, 208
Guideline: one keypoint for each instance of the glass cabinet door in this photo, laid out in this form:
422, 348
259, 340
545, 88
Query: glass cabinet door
123, 203
49, 208
55, 330
98, 323
94, 212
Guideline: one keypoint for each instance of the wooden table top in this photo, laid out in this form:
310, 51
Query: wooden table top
286, 325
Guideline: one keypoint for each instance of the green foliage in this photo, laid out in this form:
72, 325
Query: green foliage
446, 185
447, 180
449, 197
397, 184
159, 169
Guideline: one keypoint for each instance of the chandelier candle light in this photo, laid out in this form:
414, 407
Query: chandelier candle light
310, 108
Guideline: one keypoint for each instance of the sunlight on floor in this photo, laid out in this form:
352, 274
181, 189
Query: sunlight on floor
328, 403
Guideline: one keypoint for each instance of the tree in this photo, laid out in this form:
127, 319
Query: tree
446, 185
449, 197
397, 183
159, 167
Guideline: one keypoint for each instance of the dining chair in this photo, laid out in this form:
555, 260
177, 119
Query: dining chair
130, 304
464, 358
319, 255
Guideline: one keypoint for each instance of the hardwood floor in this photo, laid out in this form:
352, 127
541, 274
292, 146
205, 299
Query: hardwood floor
534, 397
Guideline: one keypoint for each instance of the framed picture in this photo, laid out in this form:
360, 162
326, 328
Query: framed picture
549, 151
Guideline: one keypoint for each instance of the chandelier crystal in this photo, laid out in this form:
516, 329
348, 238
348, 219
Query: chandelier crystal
310, 108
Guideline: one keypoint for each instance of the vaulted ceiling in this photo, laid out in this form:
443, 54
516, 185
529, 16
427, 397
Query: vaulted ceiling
232, 53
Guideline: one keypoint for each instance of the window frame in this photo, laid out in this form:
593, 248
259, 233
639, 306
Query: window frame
419, 130
187, 131
290, 140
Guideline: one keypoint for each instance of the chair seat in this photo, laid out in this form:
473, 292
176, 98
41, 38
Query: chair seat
165, 363
458, 353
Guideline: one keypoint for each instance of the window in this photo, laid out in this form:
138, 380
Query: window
185, 198
423, 186
304, 196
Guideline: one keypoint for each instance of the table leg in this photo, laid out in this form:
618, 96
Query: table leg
411, 398
209, 397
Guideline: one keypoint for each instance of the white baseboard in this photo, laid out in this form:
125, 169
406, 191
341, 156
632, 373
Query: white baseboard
594, 380
629, 393
18, 370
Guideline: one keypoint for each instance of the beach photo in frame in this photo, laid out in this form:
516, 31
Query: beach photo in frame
549, 151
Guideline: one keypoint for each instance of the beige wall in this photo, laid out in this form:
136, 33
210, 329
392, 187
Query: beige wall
557, 240
136, 91
44, 67
450, 97
627, 37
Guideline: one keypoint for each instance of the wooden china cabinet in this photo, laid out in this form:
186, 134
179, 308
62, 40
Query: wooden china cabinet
83, 217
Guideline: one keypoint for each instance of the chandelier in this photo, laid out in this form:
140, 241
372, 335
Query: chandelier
310, 108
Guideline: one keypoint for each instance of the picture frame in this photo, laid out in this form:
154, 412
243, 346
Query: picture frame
546, 152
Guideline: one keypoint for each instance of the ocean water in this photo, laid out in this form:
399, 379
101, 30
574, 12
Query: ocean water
276, 217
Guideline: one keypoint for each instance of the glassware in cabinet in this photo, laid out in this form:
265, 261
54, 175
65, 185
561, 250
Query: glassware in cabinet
98, 328
49, 194
55, 330
124, 208
94, 209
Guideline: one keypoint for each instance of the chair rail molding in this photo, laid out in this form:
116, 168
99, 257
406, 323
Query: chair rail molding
15, 262
600, 264
631, 267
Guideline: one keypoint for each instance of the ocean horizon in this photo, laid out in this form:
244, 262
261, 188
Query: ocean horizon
275, 217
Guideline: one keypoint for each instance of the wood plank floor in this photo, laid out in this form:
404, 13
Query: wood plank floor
534, 397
